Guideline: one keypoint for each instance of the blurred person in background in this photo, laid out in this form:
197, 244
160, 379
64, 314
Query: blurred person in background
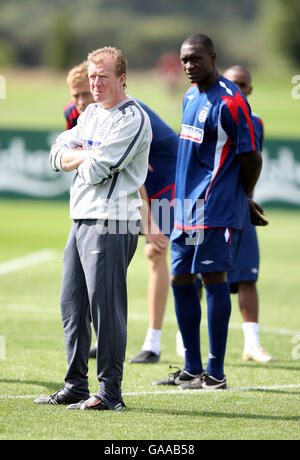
244, 277
158, 218
79, 86
169, 70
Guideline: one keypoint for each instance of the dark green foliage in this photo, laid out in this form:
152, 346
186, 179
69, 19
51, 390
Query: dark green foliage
59, 33
288, 30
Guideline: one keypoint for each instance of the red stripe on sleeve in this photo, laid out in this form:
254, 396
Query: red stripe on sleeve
233, 104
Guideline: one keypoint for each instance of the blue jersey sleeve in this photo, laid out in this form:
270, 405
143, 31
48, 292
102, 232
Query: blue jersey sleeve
237, 122
259, 129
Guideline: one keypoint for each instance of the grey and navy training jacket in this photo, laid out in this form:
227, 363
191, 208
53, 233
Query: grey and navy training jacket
117, 140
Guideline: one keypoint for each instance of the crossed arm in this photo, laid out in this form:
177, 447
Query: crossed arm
71, 159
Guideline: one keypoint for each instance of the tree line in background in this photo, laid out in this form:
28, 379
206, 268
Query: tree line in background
60, 33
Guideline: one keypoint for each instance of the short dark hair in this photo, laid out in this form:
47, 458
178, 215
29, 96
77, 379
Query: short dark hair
201, 40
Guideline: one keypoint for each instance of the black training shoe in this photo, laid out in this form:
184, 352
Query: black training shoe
145, 357
205, 381
177, 378
94, 403
60, 397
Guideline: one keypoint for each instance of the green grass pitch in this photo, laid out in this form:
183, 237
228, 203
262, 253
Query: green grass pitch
262, 401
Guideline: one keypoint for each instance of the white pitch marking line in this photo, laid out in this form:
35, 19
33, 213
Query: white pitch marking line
143, 317
179, 391
19, 397
28, 260
182, 392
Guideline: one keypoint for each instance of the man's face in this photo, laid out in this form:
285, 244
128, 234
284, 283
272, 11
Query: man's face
105, 86
81, 96
197, 63
241, 79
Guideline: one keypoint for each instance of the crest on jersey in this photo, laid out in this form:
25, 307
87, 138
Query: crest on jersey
203, 114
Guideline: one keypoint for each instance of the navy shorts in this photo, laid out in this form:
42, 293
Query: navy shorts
203, 251
246, 262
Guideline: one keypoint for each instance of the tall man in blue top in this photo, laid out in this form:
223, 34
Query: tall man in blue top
218, 164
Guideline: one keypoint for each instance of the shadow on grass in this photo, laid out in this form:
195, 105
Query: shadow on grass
49, 385
212, 414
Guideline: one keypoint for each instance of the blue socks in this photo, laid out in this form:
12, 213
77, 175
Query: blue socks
218, 315
188, 312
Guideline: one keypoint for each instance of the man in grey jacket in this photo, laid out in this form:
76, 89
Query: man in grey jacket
109, 150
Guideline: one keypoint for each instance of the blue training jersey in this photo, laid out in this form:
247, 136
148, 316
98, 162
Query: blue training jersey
160, 181
216, 128
259, 129
71, 115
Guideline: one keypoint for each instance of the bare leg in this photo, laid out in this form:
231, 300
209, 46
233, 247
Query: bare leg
248, 301
158, 286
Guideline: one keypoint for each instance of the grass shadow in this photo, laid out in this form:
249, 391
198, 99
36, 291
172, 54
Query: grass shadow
212, 414
51, 386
